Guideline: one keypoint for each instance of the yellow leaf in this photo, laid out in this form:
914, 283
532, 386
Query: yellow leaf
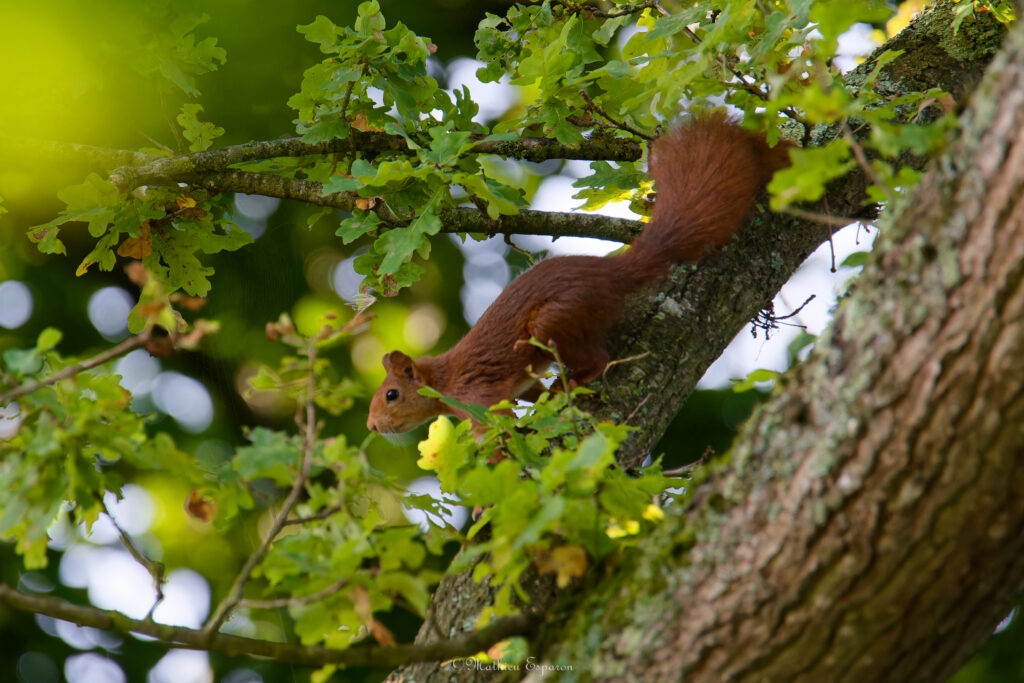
438, 438
627, 528
567, 561
653, 513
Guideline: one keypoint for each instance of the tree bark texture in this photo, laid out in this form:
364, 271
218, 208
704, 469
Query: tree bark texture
635, 624
870, 524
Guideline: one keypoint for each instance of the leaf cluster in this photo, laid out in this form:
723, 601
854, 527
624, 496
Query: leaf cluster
547, 488
72, 441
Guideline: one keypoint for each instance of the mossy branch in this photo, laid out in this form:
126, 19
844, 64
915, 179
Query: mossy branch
188, 167
460, 219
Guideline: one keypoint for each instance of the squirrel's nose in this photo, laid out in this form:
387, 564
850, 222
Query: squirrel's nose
369, 424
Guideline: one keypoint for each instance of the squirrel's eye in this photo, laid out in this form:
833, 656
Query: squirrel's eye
392, 395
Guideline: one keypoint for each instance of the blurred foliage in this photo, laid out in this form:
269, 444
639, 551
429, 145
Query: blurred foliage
127, 76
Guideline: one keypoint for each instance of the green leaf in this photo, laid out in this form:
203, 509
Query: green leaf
836, 16
446, 146
200, 133
273, 455
477, 412
749, 382
48, 339
608, 184
22, 361
881, 62
500, 199
370, 19
46, 236
339, 183
357, 225
856, 259
399, 244
184, 269
321, 31
812, 169
800, 342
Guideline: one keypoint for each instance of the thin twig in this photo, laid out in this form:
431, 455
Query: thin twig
234, 596
553, 350
318, 517
685, 469
824, 219
516, 247
295, 601
831, 237
99, 359
155, 569
596, 108
621, 361
858, 153
637, 409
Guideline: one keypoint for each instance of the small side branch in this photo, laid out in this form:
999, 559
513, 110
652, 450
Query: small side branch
298, 600
99, 359
155, 569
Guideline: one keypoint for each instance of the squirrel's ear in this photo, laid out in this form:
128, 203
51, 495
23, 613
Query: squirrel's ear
399, 363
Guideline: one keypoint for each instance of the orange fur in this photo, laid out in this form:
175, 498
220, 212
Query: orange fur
707, 171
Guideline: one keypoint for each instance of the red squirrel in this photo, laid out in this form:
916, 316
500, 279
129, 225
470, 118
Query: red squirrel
707, 173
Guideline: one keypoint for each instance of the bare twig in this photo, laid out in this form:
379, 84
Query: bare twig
177, 636
767, 320
637, 409
824, 219
686, 469
621, 361
865, 165
155, 569
99, 359
318, 517
596, 108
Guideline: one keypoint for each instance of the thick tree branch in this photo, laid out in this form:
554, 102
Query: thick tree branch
188, 167
14, 147
178, 636
139, 168
461, 219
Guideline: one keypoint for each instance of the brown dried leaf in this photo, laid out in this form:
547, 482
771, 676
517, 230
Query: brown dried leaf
137, 247
199, 506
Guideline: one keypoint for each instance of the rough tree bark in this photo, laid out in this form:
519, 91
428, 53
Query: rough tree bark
870, 524
878, 486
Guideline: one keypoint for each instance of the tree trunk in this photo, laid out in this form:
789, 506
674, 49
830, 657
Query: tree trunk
871, 523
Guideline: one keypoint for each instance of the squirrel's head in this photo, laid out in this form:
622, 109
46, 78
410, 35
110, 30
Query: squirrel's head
397, 406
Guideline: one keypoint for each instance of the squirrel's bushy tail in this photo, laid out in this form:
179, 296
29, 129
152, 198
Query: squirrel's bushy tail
707, 173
